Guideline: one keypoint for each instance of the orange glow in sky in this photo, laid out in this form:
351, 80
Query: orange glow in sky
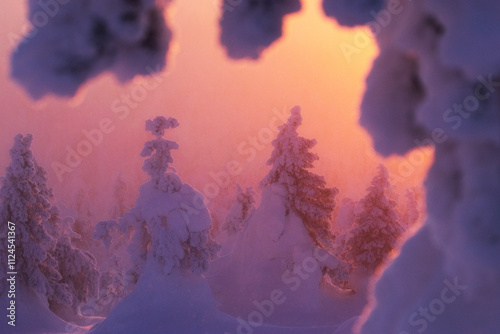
223, 107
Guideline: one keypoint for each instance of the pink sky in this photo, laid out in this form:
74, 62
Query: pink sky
226, 109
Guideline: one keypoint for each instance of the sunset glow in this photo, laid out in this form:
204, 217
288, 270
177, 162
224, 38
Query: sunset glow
249, 167
306, 67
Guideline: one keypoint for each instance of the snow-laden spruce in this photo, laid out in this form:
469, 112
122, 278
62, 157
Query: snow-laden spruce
285, 244
170, 246
306, 192
51, 273
169, 224
85, 39
129, 38
376, 228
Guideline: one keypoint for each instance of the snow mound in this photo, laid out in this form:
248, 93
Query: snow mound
177, 303
33, 315
275, 266
430, 299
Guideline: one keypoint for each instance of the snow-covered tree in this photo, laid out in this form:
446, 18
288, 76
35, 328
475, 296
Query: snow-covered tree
25, 202
164, 227
438, 55
129, 38
376, 228
306, 192
46, 260
79, 274
242, 208
287, 241
158, 150
169, 242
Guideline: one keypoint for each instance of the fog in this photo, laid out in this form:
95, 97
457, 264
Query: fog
228, 113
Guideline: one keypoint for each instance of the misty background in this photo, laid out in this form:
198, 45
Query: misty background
228, 112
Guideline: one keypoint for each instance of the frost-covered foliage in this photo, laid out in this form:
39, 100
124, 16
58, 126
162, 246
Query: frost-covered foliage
169, 224
167, 230
250, 26
73, 41
158, 150
353, 12
306, 192
376, 228
439, 55
275, 251
168, 234
242, 208
79, 275
46, 260
287, 241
